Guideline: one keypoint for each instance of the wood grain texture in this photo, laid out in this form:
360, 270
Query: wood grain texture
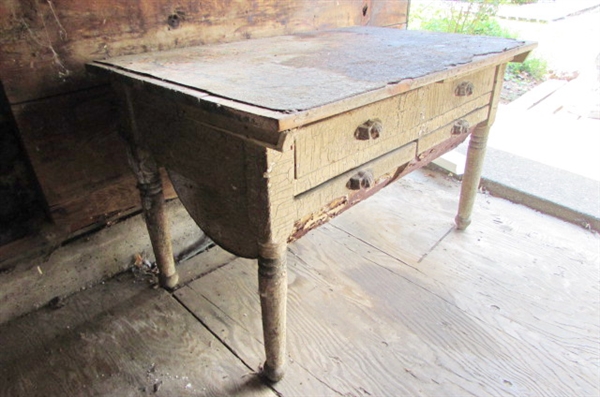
317, 68
441, 97
241, 224
207, 167
253, 182
51, 127
513, 269
362, 320
74, 148
476, 154
43, 49
340, 87
324, 202
66, 269
192, 65
446, 132
45, 44
507, 308
272, 289
119, 339
394, 207
210, 111
243, 334
326, 149
270, 177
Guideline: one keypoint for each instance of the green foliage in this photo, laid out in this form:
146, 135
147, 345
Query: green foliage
477, 17
522, 1
468, 17
487, 27
534, 67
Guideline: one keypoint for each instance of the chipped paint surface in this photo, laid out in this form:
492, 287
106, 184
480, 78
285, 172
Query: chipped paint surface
341, 204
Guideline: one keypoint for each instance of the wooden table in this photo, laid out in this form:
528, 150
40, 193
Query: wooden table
266, 139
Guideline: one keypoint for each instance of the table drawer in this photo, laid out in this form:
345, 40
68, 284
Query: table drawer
438, 98
332, 146
429, 132
316, 206
455, 127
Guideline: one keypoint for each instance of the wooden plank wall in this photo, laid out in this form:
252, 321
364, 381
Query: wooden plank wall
19, 195
67, 118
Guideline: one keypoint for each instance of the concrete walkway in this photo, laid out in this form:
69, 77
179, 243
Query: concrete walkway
546, 10
545, 146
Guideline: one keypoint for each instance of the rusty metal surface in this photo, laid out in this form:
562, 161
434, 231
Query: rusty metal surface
303, 71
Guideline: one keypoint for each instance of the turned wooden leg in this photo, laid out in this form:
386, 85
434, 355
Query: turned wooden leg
272, 285
153, 206
472, 175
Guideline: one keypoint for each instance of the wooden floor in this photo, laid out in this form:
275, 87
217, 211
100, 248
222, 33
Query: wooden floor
387, 300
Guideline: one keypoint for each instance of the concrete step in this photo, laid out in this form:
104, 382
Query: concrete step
546, 10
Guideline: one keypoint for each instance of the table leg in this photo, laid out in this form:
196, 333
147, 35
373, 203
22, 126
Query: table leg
272, 285
153, 206
472, 175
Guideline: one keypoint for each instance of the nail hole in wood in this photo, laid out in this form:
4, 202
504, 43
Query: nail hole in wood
173, 21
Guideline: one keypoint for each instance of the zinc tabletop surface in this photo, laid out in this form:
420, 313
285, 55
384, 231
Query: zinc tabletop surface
296, 73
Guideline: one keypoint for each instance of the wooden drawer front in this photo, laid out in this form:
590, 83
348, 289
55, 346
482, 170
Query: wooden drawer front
427, 141
309, 205
438, 98
375, 148
329, 147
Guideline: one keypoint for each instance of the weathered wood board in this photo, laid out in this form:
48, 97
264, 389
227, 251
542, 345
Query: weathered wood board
316, 68
507, 308
307, 72
121, 339
45, 44
30, 282
43, 49
21, 202
79, 158
415, 237
519, 287
366, 317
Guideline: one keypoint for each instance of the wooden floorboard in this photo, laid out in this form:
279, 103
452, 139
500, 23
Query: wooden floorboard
362, 329
513, 267
529, 275
63, 269
386, 300
121, 339
509, 307
411, 211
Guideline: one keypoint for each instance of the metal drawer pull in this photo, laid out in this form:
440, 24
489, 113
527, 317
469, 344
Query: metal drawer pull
460, 127
370, 129
464, 89
362, 180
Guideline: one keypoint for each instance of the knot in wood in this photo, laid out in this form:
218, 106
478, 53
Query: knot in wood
173, 21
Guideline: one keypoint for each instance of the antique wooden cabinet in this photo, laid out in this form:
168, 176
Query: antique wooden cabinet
266, 139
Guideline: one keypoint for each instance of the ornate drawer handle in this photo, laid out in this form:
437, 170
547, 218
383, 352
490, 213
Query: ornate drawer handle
362, 180
464, 89
460, 127
370, 129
